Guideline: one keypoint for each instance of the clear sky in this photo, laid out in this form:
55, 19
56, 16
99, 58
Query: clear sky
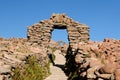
102, 16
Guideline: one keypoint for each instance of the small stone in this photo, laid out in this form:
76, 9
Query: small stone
4, 69
1, 77
117, 74
90, 73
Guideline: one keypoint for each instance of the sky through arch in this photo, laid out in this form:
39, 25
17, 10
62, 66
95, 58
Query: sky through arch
60, 35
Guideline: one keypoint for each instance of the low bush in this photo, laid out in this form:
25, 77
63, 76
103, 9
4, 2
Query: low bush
31, 71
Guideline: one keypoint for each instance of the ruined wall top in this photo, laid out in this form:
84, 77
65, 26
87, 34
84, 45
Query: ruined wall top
61, 20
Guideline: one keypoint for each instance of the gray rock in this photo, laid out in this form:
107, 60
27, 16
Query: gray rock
5, 69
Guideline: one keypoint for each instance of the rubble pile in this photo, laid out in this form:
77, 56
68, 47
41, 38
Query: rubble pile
13, 53
98, 60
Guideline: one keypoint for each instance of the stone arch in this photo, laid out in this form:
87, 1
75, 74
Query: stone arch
41, 32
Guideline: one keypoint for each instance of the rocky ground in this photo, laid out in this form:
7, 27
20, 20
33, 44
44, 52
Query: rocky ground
84, 61
13, 53
95, 60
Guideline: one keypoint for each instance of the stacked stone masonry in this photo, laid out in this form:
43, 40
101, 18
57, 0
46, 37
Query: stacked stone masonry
41, 32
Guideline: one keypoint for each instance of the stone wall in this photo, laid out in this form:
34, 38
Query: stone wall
40, 33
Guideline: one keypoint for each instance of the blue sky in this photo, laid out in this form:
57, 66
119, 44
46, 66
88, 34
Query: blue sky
102, 16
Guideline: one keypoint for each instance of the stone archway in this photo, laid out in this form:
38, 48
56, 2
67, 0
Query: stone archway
41, 32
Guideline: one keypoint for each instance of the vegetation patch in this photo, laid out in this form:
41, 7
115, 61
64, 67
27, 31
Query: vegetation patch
31, 71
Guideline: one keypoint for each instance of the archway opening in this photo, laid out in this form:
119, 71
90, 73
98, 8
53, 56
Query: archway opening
59, 34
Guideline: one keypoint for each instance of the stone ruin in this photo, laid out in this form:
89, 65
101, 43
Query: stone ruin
41, 32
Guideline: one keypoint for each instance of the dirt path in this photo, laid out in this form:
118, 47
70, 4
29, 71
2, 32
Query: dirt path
56, 71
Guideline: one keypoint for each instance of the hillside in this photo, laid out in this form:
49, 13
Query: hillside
16, 53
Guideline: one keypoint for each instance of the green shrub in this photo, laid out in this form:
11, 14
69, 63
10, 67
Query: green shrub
87, 55
53, 49
53, 58
72, 76
31, 71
